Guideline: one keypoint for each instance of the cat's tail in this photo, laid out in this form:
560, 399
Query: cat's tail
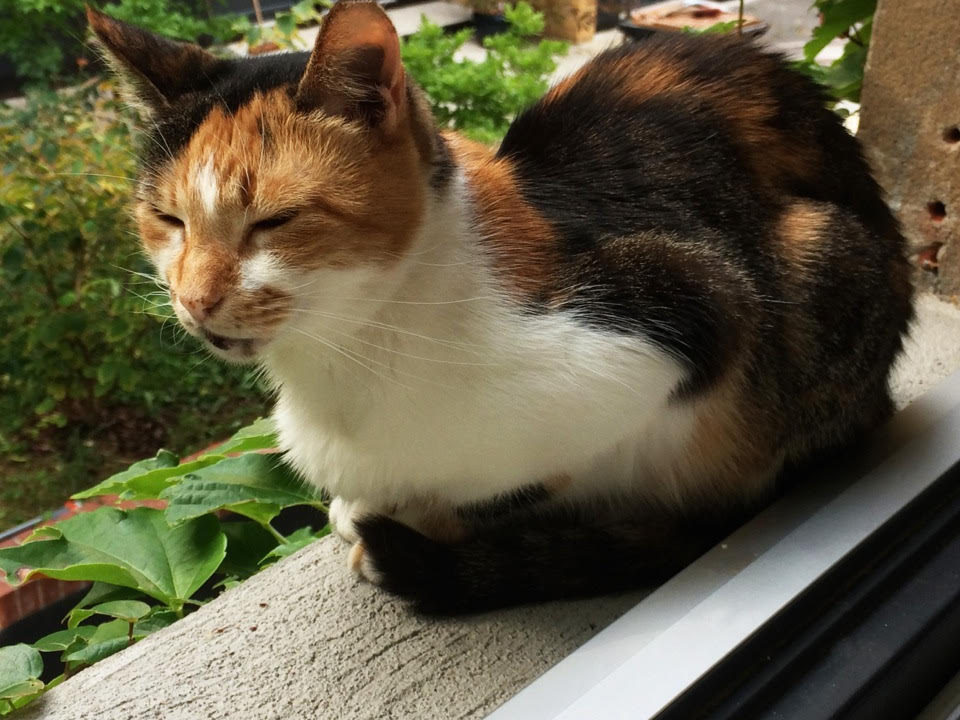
544, 558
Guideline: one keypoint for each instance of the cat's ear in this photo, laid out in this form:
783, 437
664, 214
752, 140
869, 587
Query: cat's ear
155, 71
355, 69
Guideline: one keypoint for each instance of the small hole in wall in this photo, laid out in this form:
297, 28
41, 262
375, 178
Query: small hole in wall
937, 210
952, 134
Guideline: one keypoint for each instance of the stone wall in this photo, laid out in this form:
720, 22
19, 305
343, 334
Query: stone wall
910, 125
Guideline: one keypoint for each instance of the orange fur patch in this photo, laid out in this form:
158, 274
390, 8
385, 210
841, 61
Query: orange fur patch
801, 232
522, 241
358, 198
731, 454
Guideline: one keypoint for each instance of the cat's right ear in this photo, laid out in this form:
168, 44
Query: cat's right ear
154, 70
355, 70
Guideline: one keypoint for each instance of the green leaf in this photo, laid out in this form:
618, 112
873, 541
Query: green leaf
127, 610
146, 485
116, 483
62, 639
247, 544
101, 592
285, 23
107, 639
77, 616
295, 541
837, 19
260, 435
135, 548
106, 373
156, 620
20, 668
256, 486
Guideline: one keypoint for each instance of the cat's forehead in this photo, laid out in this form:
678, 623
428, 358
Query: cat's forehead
232, 84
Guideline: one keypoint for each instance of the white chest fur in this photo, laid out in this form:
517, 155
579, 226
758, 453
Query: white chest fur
431, 383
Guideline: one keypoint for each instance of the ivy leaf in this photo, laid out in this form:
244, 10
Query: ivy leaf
156, 620
116, 483
260, 435
247, 543
127, 610
62, 639
147, 485
101, 592
256, 486
135, 548
294, 541
286, 23
107, 639
20, 668
837, 19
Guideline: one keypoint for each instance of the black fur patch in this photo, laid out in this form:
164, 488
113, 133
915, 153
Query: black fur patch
230, 84
443, 167
546, 556
615, 189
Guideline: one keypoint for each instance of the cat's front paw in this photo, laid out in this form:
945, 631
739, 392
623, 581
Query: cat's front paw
404, 562
360, 561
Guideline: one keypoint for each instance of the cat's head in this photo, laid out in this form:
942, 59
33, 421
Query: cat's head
278, 184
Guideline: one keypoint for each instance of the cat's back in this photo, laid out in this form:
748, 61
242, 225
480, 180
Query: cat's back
698, 189
713, 115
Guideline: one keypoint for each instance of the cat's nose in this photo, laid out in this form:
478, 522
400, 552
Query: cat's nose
201, 307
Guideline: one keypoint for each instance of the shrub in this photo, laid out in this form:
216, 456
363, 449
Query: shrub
283, 33
849, 19
482, 98
83, 328
34, 34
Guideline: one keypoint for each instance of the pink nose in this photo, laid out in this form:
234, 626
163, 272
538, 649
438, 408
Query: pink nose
201, 307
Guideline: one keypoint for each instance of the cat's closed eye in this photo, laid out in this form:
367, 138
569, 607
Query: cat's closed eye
171, 220
274, 221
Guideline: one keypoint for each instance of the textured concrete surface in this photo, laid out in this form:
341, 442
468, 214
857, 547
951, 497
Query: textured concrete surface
304, 639
910, 125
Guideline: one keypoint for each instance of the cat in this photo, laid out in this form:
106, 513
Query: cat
560, 367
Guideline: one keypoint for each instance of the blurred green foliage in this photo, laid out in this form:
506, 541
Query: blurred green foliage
283, 32
481, 98
853, 21
83, 328
40, 37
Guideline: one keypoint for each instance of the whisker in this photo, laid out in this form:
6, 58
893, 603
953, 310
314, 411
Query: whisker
349, 356
408, 355
465, 347
458, 301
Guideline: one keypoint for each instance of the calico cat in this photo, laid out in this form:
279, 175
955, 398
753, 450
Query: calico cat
560, 367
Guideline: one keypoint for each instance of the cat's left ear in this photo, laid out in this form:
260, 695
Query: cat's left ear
155, 71
355, 69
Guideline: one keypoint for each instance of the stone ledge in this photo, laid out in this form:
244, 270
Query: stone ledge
304, 639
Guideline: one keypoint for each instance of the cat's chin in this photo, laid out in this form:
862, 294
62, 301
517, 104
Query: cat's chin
234, 350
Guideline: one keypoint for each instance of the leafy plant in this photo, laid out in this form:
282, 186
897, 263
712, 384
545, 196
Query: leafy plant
283, 33
87, 339
849, 19
39, 35
481, 98
151, 566
20, 668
